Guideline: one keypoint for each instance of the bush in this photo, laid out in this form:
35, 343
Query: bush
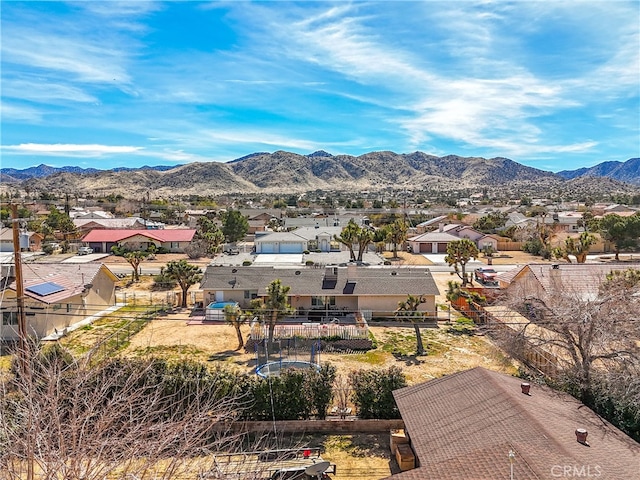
246, 263
372, 392
308, 263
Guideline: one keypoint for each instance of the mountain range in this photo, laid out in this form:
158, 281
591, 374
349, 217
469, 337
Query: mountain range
288, 172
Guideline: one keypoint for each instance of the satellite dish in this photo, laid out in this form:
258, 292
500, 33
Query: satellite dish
317, 469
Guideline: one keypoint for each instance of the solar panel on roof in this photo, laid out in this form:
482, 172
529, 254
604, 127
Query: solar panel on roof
44, 289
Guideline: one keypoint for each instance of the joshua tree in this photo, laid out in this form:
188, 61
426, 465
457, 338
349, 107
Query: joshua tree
185, 274
274, 307
135, 259
409, 308
459, 253
235, 317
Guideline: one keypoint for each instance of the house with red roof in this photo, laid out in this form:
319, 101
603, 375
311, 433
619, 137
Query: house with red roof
174, 240
58, 296
484, 425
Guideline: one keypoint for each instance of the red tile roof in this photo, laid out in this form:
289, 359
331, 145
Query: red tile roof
462, 426
163, 235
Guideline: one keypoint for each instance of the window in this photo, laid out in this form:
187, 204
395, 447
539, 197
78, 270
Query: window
323, 301
68, 307
9, 318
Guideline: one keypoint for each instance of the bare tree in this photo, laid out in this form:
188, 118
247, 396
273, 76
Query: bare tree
77, 419
588, 331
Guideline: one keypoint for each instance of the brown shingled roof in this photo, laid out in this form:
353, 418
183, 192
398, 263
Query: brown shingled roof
462, 426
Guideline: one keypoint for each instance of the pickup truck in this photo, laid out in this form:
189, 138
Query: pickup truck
486, 276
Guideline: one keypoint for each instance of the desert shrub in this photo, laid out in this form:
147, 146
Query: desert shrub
246, 263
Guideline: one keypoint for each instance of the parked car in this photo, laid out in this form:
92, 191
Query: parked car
486, 275
85, 250
232, 251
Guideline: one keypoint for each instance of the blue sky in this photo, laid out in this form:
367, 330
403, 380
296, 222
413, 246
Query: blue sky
553, 84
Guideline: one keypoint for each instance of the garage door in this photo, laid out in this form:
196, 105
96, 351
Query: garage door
425, 248
266, 248
442, 248
290, 248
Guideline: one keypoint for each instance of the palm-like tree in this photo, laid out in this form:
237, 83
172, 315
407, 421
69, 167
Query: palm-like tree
234, 316
409, 308
459, 253
397, 234
364, 238
185, 274
274, 307
349, 236
135, 258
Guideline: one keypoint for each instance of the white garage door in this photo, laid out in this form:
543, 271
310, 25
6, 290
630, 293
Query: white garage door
290, 248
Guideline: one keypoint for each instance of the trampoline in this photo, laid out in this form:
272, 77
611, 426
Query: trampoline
273, 369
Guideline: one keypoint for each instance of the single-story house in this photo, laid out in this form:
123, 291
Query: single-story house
299, 240
351, 288
173, 240
57, 296
484, 425
579, 279
88, 224
31, 241
437, 241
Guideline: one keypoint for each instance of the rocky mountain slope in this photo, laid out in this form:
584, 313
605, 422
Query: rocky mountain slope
628, 171
281, 172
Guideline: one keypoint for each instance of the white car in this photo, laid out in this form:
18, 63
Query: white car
85, 250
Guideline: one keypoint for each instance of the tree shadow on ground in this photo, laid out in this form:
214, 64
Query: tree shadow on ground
226, 355
408, 359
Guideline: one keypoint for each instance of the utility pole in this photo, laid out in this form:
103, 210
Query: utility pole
23, 354
22, 322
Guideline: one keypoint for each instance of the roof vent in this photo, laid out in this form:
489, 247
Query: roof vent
394, 273
581, 436
555, 266
235, 270
297, 272
525, 388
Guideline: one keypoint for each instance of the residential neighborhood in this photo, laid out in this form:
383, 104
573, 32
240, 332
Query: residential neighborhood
314, 289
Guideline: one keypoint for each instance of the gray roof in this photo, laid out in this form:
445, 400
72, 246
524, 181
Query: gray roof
435, 237
312, 281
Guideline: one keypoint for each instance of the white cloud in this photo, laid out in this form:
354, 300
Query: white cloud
19, 113
74, 150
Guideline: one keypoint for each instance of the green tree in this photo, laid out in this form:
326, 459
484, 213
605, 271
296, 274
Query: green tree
459, 253
620, 231
234, 225
373, 392
397, 234
134, 259
274, 307
409, 309
578, 247
60, 222
364, 238
185, 274
491, 222
349, 236
234, 316
208, 231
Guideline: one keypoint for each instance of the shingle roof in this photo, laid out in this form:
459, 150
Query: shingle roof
579, 278
164, 235
311, 281
72, 277
462, 426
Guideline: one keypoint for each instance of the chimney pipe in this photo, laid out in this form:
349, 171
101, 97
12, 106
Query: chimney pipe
581, 436
525, 388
